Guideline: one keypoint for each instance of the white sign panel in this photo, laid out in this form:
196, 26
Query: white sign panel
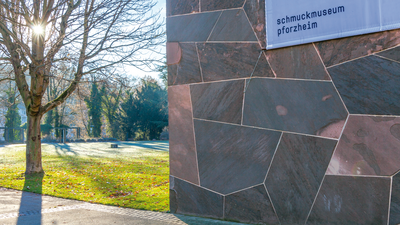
293, 22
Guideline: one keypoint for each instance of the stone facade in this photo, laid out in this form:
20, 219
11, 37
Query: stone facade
308, 134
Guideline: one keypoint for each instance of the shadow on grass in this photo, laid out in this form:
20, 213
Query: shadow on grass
102, 184
31, 203
161, 146
64, 149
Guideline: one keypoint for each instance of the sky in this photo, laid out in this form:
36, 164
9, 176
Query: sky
138, 73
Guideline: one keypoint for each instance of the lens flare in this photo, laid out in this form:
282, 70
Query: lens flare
38, 29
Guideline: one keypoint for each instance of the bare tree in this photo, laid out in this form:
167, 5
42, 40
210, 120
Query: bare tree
90, 35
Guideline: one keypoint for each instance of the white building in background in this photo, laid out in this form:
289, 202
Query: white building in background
22, 112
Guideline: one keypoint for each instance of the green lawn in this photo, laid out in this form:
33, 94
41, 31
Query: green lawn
131, 176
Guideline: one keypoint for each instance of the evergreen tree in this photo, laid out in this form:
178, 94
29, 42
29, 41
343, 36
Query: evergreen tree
127, 117
94, 104
111, 99
13, 119
145, 111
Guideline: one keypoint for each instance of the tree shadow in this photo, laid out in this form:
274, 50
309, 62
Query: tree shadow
160, 146
64, 149
30, 209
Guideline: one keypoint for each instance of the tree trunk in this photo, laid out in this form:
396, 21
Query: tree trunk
33, 146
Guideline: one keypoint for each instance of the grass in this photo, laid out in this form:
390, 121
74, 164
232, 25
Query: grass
137, 180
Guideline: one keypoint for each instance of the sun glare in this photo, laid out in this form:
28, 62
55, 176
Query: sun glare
38, 29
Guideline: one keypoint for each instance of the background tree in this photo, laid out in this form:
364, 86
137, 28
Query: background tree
37, 36
95, 108
112, 94
144, 113
13, 119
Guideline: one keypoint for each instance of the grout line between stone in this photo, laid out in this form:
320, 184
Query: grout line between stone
272, 204
198, 185
390, 199
323, 179
194, 136
217, 42
328, 67
200, 12
216, 22
252, 73
270, 66
198, 58
232, 42
365, 176
251, 25
261, 128
272, 159
326, 70
269, 78
383, 57
244, 189
244, 97
374, 115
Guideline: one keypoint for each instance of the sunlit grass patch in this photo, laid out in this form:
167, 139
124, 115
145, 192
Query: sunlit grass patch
135, 181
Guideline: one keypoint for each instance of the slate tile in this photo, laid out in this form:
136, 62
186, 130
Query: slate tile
174, 53
251, 205
191, 28
188, 68
394, 218
263, 68
296, 173
223, 61
182, 149
341, 50
255, 10
300, 62
190, 199
233, 25
176, 7
220, 101
349, 200
393, 54
309, 107
370, 145
232, 158
210, 5
369, 85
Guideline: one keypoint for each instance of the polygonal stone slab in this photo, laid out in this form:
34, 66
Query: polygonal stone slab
188, 67
182, 149
393, 54
233, 25
262, 68
186, 198
255, 10
344, 49
223, 61
251, 205
176, 7
309, 107
395, 201
296, 173
210, 5
347, 200
191, 28
370, 145
301, 62
232, 158
220, 101
369, 85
